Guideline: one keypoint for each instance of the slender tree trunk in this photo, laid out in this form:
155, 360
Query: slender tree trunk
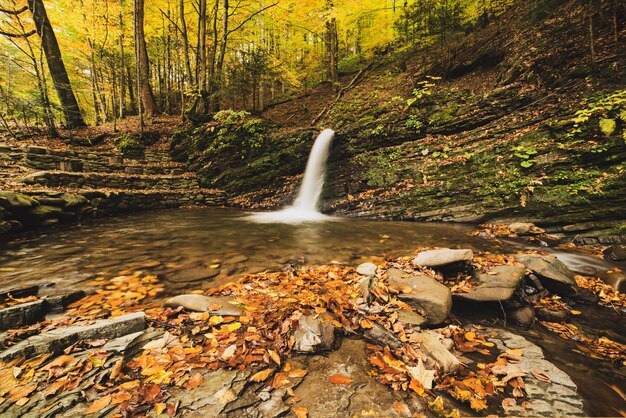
201, 56
222, 54
183, 28
122, 64
592, 47
148, 104
131, 93
56, 66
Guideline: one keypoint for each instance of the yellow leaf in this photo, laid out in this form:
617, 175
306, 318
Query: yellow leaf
274, 356
262, 375
300, 411
159, 408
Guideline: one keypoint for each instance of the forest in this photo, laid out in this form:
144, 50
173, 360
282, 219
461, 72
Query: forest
313, 208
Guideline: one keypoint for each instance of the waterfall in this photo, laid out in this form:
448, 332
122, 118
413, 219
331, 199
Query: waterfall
305, 207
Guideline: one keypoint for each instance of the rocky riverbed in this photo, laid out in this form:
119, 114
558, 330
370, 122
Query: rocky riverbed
380, 338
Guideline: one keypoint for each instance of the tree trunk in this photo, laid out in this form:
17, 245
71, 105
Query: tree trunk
148, 104
56, 66
201, 57
332, 45
122, 64
220, 59
183, 28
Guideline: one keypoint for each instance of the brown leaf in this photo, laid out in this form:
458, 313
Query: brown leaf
117, 369
300, 411
339, 379
280, 380
195, 381
274, 356
541, 376
98, 405
150, 391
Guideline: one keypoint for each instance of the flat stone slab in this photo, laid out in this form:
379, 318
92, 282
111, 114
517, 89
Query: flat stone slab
442, 257
423, 292
557, 398
553, 274
18, 292
216, 305
56, 340
194, 275
23, 314
498, 284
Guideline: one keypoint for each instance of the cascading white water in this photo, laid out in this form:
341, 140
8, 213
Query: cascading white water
305, 207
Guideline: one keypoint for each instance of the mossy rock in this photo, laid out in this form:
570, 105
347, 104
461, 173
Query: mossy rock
73, 200
16, 200
45, 212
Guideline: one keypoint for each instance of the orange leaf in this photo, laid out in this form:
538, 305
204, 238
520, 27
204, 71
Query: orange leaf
339, 379
401, 408
262, 375
195, 381
300, 411
280, 380
274, 355
99, 405
150, 391
297, 373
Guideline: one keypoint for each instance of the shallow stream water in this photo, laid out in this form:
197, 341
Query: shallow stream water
227, 242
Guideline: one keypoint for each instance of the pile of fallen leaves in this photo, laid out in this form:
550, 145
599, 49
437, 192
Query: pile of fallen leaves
608, 295
555, 303
602, 347
11, 301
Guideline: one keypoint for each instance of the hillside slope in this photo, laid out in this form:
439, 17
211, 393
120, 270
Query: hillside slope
514, 121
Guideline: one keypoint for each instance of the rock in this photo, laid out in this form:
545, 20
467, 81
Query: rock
313, 336
382, 336
133, 170
432, 345
442, 257
364, 397
552, 315
367, 269
116, 159
236, 259
194, 275
5, 226
10, 200
524, 316
56, 340
523, 228
617, 279
425, 293
411, 318
44, 212
367, 283
554, 275
557, 398
615, 253
74, 200
395, 274
498, 284
216, 305
23, 314
19, 292
57, 303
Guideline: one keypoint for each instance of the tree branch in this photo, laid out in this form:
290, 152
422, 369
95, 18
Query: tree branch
250, 18
18, 35
14, 12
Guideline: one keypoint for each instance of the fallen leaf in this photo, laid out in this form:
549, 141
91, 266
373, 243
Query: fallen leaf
339, 379
297, 373
274, 356
422, 375
300, 411
150, 391
159, 408
229, 352
98, 405
541, 376
195, 381
262, 375
401, 408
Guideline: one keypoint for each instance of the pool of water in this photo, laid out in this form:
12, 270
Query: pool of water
171, 242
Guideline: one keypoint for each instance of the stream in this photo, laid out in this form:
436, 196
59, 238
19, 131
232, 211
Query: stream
229, 244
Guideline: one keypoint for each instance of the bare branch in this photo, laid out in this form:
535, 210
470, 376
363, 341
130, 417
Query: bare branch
18, 35
14, 12
239, 26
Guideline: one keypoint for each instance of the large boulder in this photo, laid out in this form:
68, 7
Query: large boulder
16, 200
442, 257
423, 292
615, 253
313, 335
496, 285
554, 275
216, 305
